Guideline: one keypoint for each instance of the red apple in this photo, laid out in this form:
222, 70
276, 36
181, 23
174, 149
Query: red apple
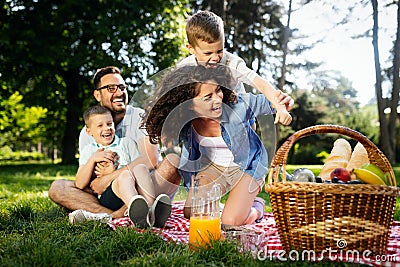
342, 174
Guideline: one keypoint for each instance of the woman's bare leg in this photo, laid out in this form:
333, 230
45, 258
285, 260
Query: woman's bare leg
124, 187
238, 207
143, 182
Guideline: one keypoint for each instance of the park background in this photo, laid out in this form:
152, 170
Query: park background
49, 51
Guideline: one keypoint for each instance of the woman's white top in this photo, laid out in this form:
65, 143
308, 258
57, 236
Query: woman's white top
216, 149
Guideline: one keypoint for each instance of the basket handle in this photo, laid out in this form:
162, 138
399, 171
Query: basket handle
374, 154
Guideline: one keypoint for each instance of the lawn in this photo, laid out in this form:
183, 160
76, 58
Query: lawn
36, 232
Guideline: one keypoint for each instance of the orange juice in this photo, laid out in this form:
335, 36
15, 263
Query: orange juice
203, 229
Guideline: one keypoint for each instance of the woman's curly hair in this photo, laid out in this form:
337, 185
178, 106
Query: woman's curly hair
171, 101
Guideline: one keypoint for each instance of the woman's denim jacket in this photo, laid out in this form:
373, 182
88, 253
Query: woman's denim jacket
248, 151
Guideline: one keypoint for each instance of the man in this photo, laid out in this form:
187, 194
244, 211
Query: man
111, 92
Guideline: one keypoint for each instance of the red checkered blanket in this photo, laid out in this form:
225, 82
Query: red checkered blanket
177, 230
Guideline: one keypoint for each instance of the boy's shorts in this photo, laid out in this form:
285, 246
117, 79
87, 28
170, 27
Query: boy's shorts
110, 200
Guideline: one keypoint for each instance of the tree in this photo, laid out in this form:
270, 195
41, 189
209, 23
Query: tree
332, 100
347, 13
387, 128
19, 125
395, 86
51, 49
216, 6
285, 41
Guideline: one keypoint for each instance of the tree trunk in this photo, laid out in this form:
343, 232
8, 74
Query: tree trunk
74, 107
218, 7
285, 41
383, 129
395, 89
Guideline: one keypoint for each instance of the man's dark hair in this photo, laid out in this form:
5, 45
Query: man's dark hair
103, 71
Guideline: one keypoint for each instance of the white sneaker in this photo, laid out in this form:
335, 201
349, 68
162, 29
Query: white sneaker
138, 211
81, 216
160, 211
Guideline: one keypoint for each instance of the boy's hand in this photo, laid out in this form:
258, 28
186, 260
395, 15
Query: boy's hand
102, 155
284, 99
104, 168
282, 116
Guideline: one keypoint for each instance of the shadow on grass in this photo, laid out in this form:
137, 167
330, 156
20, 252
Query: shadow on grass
42, 169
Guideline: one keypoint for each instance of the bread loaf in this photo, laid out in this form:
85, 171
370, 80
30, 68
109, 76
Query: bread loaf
358, 158
338, 158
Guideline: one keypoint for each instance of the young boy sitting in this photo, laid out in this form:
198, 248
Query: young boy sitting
132, 188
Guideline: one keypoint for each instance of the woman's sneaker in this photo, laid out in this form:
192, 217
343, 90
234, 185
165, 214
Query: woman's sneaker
160, 211
81, 216
259, 204
138, 211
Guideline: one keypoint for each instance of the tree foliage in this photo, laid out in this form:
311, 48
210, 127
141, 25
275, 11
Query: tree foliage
20, 126
51, 49
332, 100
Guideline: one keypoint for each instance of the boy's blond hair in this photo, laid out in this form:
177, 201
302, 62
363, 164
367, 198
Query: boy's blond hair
205, 26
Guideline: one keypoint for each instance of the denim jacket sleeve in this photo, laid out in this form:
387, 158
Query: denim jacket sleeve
246, 146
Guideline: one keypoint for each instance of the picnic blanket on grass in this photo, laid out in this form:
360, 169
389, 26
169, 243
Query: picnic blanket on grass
177, 230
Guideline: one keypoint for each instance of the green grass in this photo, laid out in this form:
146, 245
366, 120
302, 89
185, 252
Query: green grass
36, 232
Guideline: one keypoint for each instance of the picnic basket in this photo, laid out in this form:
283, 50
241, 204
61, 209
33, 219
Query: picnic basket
321, 216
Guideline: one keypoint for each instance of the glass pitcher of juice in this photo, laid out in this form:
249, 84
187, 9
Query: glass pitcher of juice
205, 218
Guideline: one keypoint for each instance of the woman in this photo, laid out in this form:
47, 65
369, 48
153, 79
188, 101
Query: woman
193, 106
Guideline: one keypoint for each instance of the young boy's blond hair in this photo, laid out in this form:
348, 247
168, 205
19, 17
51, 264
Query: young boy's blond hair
205, 26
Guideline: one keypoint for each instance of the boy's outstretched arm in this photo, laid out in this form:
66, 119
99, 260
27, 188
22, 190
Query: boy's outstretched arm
279, 100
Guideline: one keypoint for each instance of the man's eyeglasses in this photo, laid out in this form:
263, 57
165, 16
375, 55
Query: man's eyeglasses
112, 88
